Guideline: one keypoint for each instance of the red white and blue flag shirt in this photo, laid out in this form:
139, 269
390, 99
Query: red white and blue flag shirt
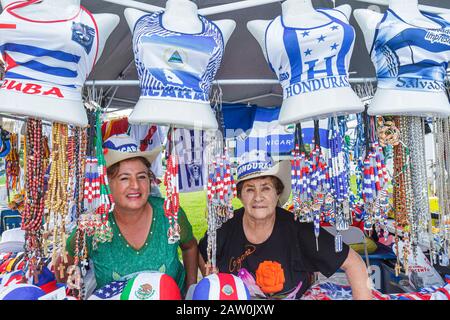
48, 58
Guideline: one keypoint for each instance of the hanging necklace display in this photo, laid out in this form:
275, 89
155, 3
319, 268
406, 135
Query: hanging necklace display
12, 167
339, 181
172, 201
358, 153
92, 179
221, 187
97, 199
309, 182
440, 242
420, 217
77, 155
375, 176
402, 193
34, 198
56, 203
103, 233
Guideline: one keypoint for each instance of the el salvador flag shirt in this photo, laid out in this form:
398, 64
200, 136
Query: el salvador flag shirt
408, 57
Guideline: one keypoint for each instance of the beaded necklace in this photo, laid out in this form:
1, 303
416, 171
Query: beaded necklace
104, 232
339, 180
402, 193
88, 221
310, 181
34, 198
75, 273
12, 166
57, 198
376, 180
172, 201
420, 214
440, 242
221, 189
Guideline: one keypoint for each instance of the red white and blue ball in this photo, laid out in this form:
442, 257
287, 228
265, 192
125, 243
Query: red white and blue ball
221, 286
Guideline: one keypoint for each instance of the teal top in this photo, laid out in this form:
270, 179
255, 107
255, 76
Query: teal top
118, 260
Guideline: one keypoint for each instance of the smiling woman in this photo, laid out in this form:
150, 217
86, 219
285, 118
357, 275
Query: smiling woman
262, 240
138, 223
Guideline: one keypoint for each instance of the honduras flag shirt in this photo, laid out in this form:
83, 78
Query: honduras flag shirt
311, 59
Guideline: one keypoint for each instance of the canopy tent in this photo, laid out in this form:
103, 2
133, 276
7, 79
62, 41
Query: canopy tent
243, 57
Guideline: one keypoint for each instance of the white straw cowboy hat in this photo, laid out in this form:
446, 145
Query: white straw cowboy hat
257, 164
13, 240
121, 147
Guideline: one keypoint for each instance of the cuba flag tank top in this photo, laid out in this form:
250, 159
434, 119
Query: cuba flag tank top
310, 59
47, 58
173, 65
408, 57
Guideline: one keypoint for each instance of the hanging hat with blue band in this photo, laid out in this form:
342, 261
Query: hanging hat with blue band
258, 164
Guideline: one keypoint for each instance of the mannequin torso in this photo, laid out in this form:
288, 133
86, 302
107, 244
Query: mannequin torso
300, 14
49, 10
391, 101
70, 28
180, 16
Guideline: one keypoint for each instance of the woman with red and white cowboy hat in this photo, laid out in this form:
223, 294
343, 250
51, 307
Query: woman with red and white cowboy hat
138, 223
265, 241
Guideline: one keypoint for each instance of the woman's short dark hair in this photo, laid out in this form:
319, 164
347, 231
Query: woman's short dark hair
279, 187
113, 170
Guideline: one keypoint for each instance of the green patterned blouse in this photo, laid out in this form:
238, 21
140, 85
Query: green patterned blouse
117, 260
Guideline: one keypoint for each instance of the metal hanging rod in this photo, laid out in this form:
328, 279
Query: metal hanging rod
132, 83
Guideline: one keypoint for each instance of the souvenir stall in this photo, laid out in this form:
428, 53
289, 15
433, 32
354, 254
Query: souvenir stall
369, 156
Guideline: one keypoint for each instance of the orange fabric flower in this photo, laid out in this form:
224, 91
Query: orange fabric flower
270, 276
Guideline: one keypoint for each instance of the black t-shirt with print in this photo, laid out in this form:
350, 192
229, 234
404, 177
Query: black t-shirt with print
291, 244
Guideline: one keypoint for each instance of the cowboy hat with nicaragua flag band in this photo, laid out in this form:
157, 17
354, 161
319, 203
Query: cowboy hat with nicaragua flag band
258, 164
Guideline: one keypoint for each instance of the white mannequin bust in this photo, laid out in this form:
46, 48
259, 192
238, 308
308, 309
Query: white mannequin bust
312, 105
45, 106
179, 16
402, 102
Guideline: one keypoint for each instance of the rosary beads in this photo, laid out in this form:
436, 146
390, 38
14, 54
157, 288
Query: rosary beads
57, 199
172, 201
12, 166
34, 198
221, 189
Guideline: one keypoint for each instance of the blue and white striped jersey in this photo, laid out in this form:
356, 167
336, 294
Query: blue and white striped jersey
173, 65
407, 57
310, 59
48, 58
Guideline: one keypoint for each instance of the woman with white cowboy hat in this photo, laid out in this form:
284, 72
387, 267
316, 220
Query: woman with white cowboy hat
268, 243
138, 223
